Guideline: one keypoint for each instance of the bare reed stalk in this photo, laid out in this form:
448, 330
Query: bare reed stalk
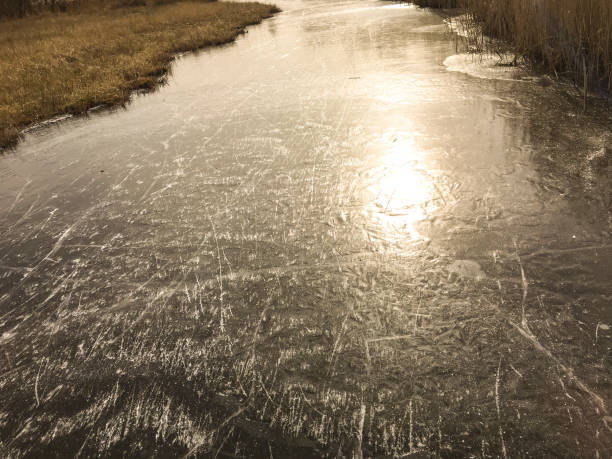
525, 286
497, 405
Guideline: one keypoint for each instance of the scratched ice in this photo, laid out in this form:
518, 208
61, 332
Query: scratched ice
318, 241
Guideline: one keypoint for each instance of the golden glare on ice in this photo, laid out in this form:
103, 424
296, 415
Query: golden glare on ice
403, 192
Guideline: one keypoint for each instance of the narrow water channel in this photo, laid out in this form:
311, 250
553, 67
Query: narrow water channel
336, 237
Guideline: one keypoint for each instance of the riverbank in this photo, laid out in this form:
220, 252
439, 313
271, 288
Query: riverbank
66, 63
571, 38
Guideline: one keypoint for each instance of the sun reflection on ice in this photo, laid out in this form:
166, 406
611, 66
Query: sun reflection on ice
403, 190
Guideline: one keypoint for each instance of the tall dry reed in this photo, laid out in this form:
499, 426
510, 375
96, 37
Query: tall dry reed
568, 36
571, 37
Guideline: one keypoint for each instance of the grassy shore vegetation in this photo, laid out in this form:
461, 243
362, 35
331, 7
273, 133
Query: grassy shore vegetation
78, 55
571, 37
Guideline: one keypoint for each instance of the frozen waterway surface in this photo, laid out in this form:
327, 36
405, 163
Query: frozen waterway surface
320, 241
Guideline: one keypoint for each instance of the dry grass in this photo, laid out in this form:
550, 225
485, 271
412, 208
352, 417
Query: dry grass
52, 64
567, 36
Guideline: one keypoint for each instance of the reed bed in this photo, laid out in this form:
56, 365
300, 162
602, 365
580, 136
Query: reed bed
569, 37
21, 8
53, 64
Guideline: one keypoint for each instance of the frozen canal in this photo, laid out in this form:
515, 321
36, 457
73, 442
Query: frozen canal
320, 241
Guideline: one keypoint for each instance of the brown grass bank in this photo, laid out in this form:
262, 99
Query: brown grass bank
570, 37
52, 63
